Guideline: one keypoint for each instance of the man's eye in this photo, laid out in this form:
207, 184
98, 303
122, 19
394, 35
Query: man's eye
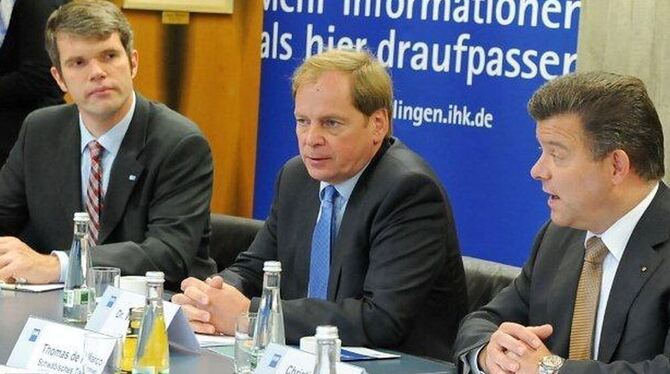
301, 122
331, 123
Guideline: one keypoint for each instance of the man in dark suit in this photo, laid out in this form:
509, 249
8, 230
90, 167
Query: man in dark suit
141, 171
394, 277
25, 81
594, 295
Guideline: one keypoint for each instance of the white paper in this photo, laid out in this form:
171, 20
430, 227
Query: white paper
283, 359
111, 317
30, 287
56, 348
370, 352
214, 340
10, 370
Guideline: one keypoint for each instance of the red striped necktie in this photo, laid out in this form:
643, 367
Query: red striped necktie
94, 193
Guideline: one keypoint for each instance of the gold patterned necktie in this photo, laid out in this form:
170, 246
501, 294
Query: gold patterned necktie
586, 303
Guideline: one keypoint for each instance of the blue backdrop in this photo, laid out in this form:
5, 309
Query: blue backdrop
463, 73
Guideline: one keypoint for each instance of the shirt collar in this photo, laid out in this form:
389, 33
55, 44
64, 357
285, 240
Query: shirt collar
111, 140
616, 236
345, 188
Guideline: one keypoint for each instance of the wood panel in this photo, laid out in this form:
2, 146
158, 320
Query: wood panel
209, 70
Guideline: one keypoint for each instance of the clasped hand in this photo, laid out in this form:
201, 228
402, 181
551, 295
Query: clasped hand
211, 306
515, 348
19, 261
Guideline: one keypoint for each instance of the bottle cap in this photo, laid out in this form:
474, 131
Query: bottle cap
326, 332
272, 266
81, 216
155, 277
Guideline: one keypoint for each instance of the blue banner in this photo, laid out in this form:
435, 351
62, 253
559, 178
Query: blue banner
463, 72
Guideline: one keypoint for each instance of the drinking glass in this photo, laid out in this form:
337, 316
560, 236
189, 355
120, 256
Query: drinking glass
245, 359
99, 277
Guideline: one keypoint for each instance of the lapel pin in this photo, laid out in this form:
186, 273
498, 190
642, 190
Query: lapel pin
131, 177
643, 269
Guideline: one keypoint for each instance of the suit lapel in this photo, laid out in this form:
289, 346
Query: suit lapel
637, 265
562, 296
350, 220
69, 155
126, 170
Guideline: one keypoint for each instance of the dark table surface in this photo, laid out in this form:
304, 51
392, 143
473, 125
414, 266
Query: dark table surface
15, 307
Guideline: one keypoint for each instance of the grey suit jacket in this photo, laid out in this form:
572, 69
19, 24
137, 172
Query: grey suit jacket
396, 275
25, 81
636, 329
156, 208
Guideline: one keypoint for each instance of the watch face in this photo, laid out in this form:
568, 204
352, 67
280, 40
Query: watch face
553, 362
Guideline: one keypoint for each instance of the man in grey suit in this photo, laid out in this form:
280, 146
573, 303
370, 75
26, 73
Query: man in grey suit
393, 277
142, 171
594, 295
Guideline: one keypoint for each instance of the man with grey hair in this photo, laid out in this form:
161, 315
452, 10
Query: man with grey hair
593, 297
142, 171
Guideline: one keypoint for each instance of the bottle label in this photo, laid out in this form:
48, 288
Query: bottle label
78, 296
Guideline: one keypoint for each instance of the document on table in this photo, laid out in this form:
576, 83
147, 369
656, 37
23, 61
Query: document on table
30, 287
362, 353
214, 340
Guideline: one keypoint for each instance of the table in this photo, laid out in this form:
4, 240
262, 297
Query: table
15, 307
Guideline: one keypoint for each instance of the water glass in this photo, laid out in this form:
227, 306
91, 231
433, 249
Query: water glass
96, 346
99, 277
245, 359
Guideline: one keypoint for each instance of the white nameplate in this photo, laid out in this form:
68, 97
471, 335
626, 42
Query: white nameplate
282, 359
50, 347
111, 317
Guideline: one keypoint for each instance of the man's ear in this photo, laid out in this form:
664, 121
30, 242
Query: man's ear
380, 123
621, 166
58, 78
134, 60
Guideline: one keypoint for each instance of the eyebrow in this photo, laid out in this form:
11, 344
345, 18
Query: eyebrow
557, 144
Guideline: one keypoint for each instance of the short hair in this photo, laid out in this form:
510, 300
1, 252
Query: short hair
88, 19
616, 113
371, 88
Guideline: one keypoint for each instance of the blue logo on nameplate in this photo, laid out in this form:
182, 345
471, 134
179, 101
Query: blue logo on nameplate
275, 360
111, 301
34, 335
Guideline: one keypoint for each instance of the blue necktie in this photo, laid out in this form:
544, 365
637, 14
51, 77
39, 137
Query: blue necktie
319, 264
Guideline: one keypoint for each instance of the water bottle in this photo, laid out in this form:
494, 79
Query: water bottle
76, 296
153, 355
326, 350
270, 322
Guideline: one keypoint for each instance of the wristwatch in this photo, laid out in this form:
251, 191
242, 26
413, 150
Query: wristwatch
550, 364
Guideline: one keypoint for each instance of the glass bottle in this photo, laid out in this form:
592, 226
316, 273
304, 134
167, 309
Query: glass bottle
130, 340
326, 350
76, 296
270, 320
153, 354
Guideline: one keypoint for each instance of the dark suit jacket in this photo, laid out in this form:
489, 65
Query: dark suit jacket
25, 81
635, 334
156, 208
396, 275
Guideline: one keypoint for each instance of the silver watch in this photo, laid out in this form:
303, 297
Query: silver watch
550, 364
